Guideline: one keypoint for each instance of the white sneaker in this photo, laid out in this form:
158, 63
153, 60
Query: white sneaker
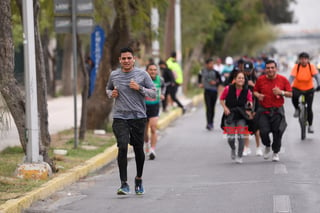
266, 153
259, 151
246, 151
275, 157
239, 160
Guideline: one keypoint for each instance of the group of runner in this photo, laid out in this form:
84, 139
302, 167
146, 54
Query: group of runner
252, 97
251, 105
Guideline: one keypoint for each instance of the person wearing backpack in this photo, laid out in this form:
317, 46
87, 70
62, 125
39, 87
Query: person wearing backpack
301, 79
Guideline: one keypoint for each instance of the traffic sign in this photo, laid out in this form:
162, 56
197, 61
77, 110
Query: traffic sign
63, 24
63, 7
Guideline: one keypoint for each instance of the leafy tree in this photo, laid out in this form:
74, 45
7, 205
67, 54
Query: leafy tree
278, 12
197, 30
250, 32
245, 30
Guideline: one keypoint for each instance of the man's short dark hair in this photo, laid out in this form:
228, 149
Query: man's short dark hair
271, 61
173, 54
303, 55
162, 62
209, 60
240, 61
126, 49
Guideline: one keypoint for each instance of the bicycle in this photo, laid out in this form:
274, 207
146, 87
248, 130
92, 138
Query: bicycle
303, 116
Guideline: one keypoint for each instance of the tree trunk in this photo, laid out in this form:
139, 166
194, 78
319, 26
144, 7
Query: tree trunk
8, 84
99, 106
51, 53
42, 92
67, 64
84, 93
169, 30
195, 56
45, 41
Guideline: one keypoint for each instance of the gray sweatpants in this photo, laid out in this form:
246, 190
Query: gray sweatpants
236, 130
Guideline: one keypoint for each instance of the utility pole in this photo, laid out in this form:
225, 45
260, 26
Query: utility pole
30, 84
155, 34
177, 20
34, 167
177, 24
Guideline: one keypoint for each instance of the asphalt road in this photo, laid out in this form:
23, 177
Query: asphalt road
193, 172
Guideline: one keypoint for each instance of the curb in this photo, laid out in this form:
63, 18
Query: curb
63, 180
93, 164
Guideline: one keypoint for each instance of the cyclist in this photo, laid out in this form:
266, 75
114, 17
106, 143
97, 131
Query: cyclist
301, 79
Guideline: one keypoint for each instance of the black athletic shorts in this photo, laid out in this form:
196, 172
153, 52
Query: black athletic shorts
153, 110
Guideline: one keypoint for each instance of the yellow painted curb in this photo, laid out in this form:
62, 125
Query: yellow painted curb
196, 100
163, 123
57, 183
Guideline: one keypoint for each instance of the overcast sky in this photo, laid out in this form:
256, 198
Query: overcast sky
307, 16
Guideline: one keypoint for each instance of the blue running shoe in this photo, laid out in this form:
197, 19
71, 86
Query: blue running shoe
139, 187
124, 189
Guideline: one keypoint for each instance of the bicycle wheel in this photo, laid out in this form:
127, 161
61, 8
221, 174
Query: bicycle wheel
303, 120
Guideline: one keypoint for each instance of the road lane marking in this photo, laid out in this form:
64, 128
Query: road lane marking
281, 204
280, 169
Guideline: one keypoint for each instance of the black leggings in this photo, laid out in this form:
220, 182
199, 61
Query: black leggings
123, 162
210, 98
309, 99
172, 91
129, 132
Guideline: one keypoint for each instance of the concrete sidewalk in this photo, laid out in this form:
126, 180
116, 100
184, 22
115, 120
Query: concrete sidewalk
61, 117
60, 109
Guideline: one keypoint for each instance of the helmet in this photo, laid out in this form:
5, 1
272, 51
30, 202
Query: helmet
229, 60
303, 55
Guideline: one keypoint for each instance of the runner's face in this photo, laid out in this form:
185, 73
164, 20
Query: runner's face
271, 70
304, 61
210, 65
127, 61
152, 70
239, 80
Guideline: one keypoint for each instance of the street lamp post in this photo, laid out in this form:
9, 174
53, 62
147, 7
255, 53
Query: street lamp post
34, 167
155, 34
177, 15
30, 84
